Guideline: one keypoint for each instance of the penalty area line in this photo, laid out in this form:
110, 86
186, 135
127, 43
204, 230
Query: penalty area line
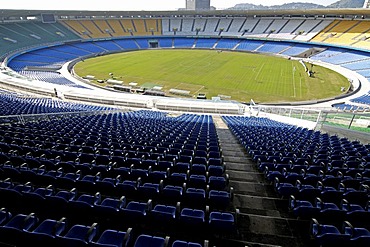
199, 89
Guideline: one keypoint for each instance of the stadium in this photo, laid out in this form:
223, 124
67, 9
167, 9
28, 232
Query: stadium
185, 128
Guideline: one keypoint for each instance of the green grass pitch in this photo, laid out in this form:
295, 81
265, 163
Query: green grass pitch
243, 76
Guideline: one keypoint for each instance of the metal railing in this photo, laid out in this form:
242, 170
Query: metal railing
354, 125
359, 121
351, 121
303, 117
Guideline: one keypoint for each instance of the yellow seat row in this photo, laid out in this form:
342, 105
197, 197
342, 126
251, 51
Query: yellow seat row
346, 32
88, 29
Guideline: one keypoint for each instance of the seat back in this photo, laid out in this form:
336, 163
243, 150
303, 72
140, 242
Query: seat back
113, 238
152, 241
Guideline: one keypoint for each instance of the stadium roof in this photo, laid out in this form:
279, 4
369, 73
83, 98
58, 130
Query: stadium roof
358, 12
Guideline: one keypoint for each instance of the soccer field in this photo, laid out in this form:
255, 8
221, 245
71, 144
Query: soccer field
242, 76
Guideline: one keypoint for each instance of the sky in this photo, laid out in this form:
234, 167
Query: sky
133, 4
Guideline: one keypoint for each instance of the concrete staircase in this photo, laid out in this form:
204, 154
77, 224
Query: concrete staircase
264, 218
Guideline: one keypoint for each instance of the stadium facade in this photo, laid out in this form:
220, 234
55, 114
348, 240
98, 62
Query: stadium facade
311, 28
95, 167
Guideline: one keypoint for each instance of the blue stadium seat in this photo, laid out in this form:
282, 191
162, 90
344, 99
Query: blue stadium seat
197, 181
192, 217
356, 214
222, 222
83, 206
178, 178
13, 231
358, 236
195, 197
108, 185
198, 169
150, 190
217, 183
36, 199
110, 207
152, 241
172, 193
78, 235
215, 170
128, 188
58, 202
113, 238
136, 212
47, 231
164, 215
4, 216
180, 243
220, 199
328, 234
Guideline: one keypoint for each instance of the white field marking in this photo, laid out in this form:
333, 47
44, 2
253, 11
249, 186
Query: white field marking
259, 71
205, 65
199, 89
293, 72
178, 86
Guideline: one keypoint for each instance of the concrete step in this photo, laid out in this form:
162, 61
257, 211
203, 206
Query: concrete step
245, 176
219, 123
267, 230
264, 218
232, 152
232, 166
237, 159
226, 135
253, 188
264, 206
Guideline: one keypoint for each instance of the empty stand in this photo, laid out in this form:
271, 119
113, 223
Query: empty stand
15, 36
140, 178
88, 29
104, 184
345, 32
104, 174
320, 188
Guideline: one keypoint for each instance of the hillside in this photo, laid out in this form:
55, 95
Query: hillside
339, 4
347, 4
283, 6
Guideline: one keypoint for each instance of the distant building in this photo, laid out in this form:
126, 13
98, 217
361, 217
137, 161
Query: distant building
367, 4
198, 4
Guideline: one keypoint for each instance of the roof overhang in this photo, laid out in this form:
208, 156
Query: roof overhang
356, 12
